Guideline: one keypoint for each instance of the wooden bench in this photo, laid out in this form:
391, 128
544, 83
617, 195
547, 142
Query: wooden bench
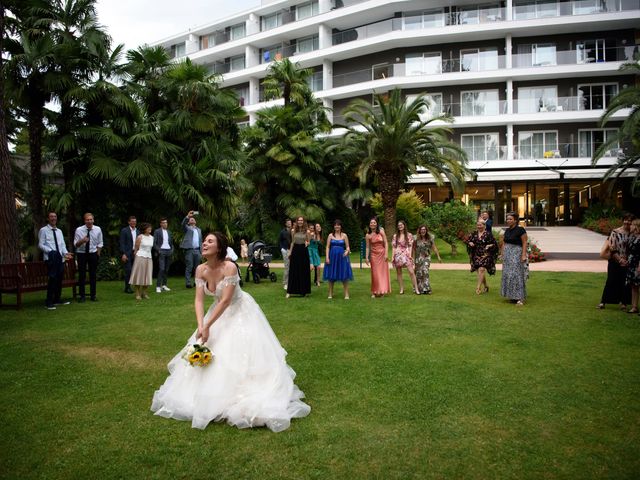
19, 278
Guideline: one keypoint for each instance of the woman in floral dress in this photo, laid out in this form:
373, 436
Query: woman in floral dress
633, 268
616, 290
402, 244
422, 247
483, 251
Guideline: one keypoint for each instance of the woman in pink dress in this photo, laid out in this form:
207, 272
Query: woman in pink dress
402, 244
376, 253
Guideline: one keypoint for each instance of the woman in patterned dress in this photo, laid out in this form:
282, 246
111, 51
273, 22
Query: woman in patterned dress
633, 267
376, 253
483, 250
402, 244
616, 290
422, 247
514, 258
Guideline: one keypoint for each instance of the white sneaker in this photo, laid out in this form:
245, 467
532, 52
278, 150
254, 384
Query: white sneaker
158, 290
165, 288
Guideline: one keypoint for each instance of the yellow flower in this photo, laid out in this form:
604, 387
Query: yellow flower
206, 358
195, 358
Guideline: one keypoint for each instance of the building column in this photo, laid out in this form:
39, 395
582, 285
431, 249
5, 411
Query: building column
509, 96
325, 5
509, 9
252, 119
325, 39
253, 24
251, 56
567, 205
510, 149
327, 75
508, 51
192, 44
328, 104
254, 90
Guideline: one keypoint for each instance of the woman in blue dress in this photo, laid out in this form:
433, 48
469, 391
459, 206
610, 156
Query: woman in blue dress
337, 266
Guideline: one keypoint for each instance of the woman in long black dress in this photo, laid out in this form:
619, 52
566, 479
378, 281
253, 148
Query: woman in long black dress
299, 274
514, 258
616, 290
483, 250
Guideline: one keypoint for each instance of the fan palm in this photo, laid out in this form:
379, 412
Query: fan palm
391, 140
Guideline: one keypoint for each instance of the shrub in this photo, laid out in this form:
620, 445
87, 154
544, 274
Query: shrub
534, 252
109, 268
450, 221
602, 219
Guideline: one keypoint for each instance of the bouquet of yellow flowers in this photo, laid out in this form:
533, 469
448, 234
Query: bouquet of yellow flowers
197, 355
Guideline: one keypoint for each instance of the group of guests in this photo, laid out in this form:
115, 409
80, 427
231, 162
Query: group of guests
622, 249
299, 245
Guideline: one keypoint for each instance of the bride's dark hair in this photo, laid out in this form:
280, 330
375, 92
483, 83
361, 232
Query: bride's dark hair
222, 242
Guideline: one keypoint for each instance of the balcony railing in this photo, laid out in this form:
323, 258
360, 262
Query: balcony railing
558, 104
573, 57
582, 7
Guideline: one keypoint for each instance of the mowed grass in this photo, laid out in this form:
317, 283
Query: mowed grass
451, 385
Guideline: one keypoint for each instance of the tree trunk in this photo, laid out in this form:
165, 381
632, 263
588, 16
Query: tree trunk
389, 185
9, 232
68, 171
36, 131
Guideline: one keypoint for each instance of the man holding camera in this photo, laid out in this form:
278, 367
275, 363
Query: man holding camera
191, 245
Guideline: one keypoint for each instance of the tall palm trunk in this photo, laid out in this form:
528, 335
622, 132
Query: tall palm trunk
66, 160
9, 236
36, 130
389, 185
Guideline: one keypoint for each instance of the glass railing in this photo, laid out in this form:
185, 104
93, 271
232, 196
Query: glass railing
286, 51
548, 57
537, 151
559, 104
533, 11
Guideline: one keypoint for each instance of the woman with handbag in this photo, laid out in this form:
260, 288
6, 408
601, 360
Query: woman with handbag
616, 290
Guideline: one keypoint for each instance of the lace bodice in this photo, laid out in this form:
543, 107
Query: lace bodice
226, 281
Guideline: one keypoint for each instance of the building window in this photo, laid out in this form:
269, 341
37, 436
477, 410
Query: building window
315, 82
307, 10
427, 19
381, 71
307, 44
237, 63
536, 9
590, 140
272, 53
537, 144
482, 146
589, 51
177, 50
476, 60
423, 63
479, 102
597, 96
537, 99
237, 31
434, 108
271, 21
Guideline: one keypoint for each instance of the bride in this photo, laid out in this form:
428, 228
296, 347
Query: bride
248, 383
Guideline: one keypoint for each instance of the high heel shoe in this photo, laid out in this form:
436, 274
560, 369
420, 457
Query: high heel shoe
486, 289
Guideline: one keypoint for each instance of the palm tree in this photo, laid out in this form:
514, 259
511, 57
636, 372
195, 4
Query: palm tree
288, 81
286, 160
9, 237
391, 140
628, 135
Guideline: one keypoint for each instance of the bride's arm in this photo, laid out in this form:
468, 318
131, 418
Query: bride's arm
230, 270
199, 300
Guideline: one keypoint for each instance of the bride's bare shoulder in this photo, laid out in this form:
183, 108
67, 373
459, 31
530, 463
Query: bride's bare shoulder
229, 269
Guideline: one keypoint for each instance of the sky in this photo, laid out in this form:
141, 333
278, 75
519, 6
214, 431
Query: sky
135, 22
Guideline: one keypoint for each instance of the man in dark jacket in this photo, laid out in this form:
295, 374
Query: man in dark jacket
127, 240
163, 246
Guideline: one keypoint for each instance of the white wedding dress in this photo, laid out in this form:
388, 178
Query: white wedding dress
248, 383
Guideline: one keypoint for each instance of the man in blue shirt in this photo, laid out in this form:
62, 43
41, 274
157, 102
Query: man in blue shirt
191, 245
51, 242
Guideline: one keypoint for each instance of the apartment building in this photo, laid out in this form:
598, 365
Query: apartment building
526, 82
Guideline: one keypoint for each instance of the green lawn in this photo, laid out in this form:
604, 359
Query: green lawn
452, 385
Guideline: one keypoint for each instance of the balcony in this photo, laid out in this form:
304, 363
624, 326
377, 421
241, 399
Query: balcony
550, 57
558, 104
540, 10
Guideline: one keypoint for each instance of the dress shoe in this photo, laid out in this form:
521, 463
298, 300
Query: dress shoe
94, 299
165, 288
82, 300
188, 286
62, 302
128, 290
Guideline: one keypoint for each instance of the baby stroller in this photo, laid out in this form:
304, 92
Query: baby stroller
259, 258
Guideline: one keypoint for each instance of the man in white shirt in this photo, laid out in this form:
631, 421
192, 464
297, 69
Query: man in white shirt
163, 246
88, 242
51, 242
191, 245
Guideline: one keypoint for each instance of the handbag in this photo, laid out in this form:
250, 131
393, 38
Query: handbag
605, 251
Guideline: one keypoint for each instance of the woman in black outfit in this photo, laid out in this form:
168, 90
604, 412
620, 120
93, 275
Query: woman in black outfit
299, 274
616, 290
514, 259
